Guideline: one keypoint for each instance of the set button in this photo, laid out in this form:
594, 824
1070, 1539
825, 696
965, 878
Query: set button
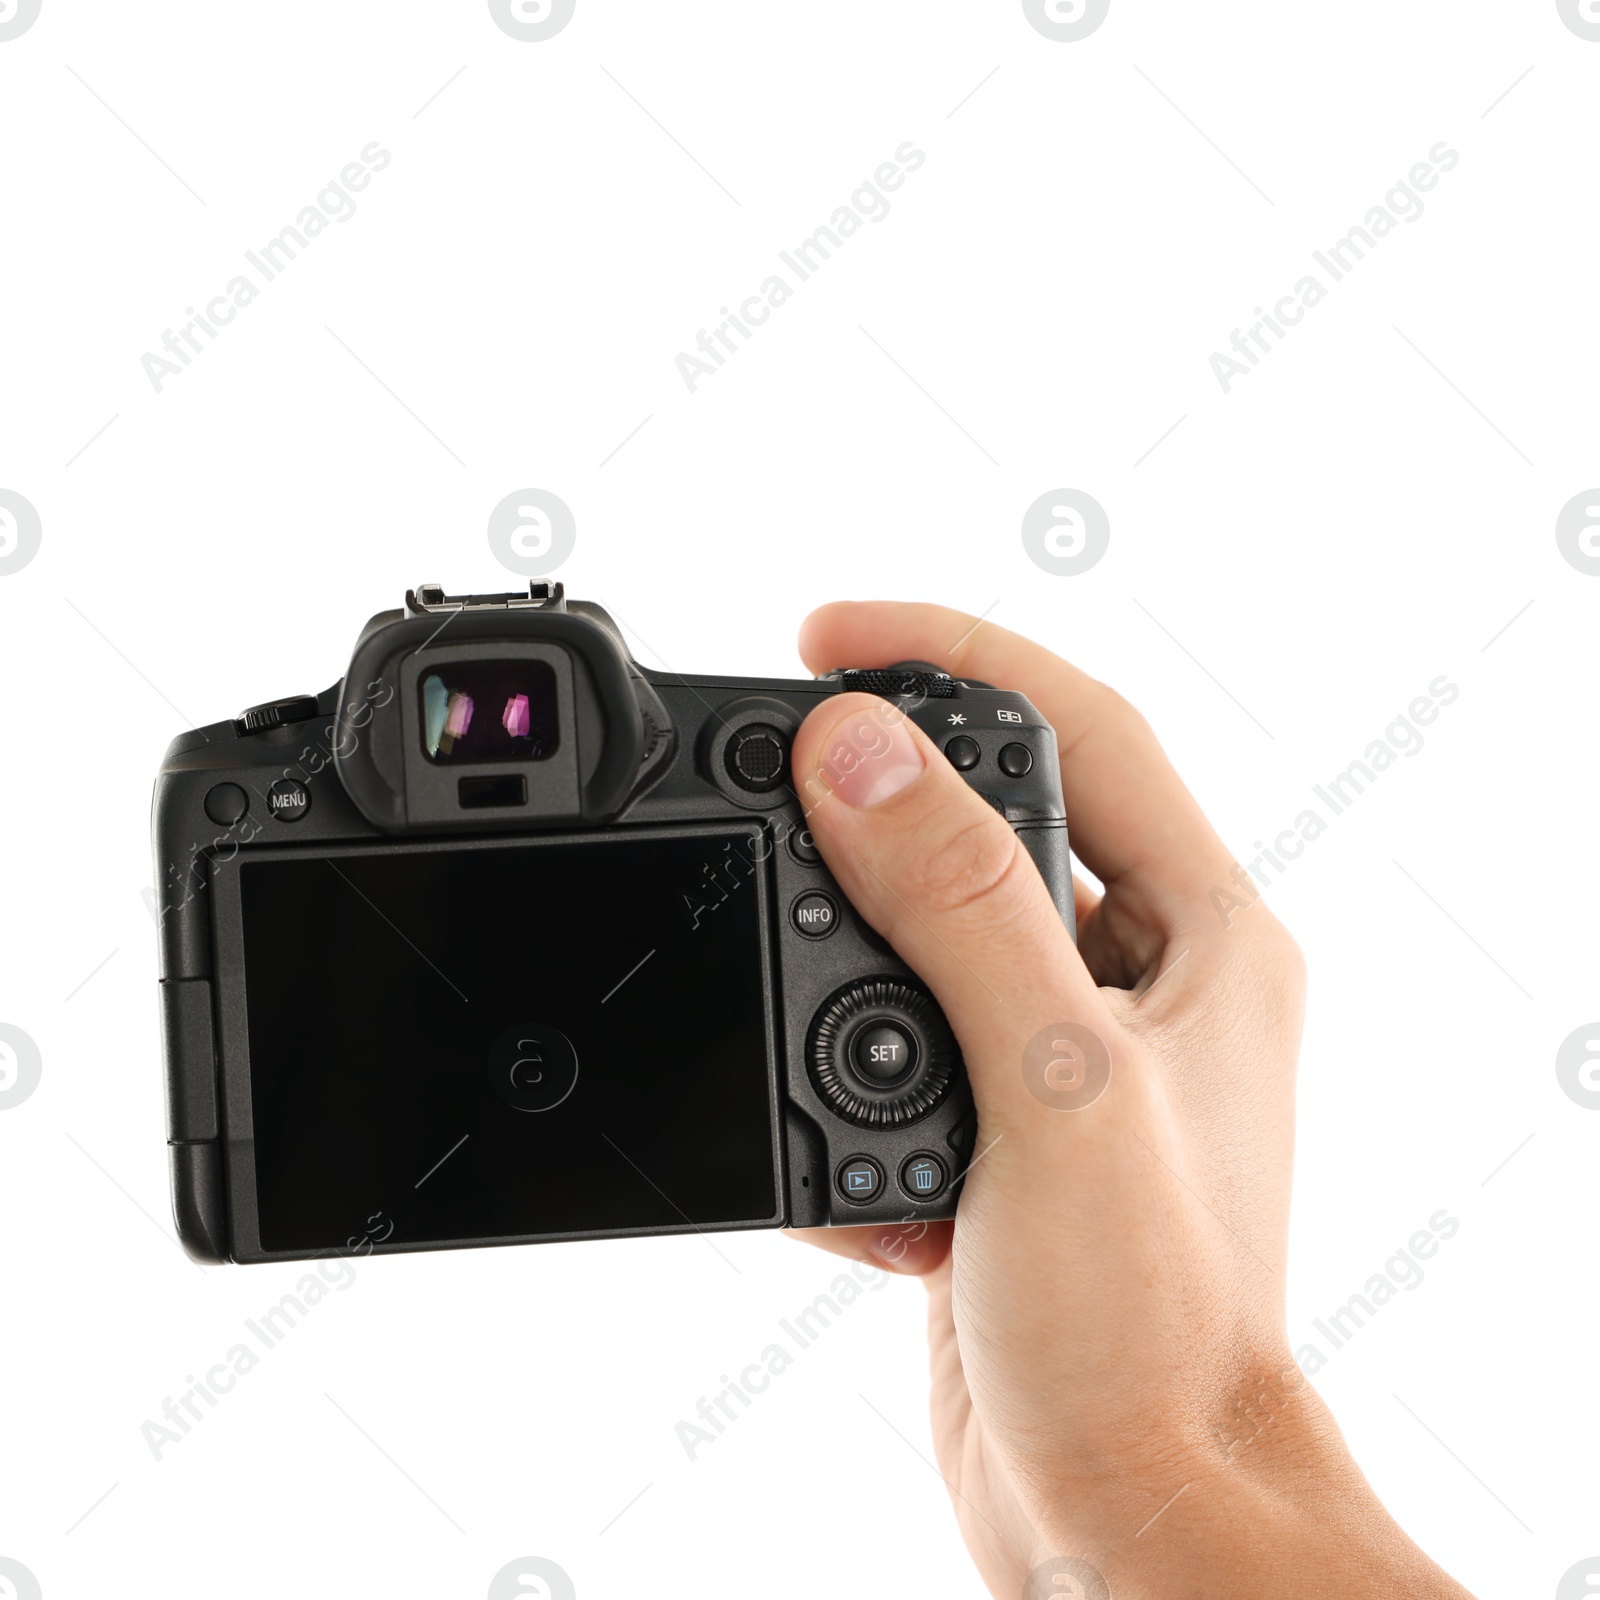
884, 1054
814, 915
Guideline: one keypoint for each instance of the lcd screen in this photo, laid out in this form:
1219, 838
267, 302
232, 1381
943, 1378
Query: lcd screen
470, 1042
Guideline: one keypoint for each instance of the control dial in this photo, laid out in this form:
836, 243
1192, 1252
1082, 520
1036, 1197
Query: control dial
881, 1053
275, 713
910, 680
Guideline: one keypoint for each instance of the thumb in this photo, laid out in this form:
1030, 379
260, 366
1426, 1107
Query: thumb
936, 870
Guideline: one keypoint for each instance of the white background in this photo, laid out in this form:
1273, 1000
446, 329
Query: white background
1369, 509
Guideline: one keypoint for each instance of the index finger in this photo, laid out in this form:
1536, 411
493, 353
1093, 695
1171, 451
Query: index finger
1130, 817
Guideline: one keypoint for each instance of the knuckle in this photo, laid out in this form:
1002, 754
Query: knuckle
1277, 967
973, 868
1279, 952
1289, 962
1124, 712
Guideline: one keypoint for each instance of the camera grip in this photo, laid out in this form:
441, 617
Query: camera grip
1046, 842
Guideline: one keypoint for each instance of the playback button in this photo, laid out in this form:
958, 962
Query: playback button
860, 1179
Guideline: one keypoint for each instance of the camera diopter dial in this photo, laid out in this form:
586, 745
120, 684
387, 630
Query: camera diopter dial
881, 1053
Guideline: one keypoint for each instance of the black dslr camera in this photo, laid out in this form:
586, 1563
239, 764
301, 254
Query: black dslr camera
508, 939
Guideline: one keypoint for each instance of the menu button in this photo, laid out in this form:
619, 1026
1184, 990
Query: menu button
288, 801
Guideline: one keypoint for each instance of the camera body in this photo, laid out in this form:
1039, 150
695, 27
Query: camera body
507, 939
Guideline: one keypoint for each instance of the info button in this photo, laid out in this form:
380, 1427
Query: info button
814, 915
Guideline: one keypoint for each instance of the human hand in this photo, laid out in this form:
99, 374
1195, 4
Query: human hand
1112, 1382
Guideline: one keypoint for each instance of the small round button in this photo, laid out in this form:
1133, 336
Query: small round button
804, 848
883, 1053
963, 753
288, 800
226, 803
860, 1179
923, 1177
756, 757
1016, 760
814, 915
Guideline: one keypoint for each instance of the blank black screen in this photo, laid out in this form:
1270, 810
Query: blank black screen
405, 1010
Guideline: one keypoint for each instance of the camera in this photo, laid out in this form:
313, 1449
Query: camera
507, 939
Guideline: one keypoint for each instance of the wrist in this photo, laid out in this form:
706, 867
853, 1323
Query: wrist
1252, 1502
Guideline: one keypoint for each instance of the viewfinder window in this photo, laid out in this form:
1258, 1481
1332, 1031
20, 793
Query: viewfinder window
475, 711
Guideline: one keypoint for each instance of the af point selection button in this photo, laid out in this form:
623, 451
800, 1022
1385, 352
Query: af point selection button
1016, 760
288, 800
814, 915
860, 1180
